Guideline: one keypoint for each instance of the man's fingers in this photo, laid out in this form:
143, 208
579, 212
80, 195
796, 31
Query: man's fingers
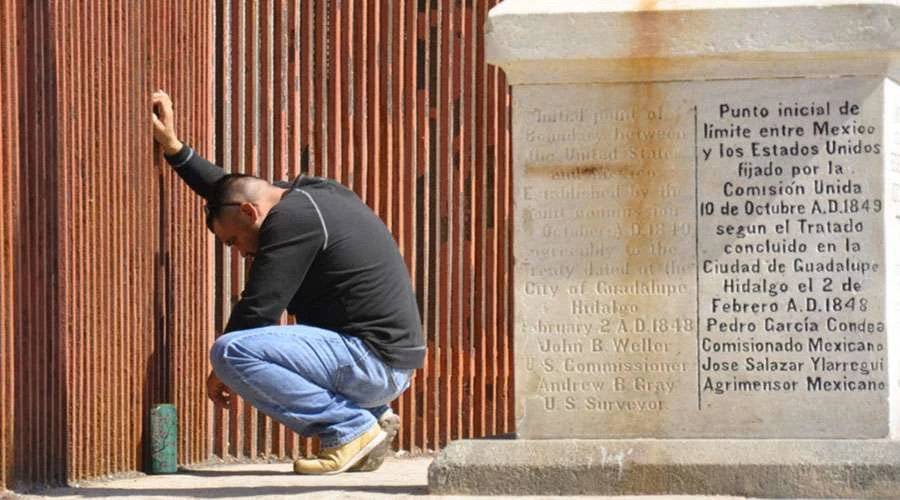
163, 109
163, 103
218, 392
161, 100
222, 402
161, 95
218, 399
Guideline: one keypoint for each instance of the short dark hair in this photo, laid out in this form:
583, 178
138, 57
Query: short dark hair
224, 193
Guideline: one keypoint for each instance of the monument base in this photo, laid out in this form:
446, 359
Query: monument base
744, 467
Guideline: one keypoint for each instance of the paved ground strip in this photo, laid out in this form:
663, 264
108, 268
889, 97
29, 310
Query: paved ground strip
397, 478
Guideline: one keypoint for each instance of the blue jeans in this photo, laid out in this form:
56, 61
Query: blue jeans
314, 381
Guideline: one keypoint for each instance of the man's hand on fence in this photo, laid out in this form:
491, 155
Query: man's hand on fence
217, 391
164, 123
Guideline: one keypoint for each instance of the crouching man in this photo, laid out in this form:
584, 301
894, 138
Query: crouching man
323, 255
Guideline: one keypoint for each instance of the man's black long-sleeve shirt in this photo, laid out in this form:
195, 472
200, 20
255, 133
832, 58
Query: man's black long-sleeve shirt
329, 260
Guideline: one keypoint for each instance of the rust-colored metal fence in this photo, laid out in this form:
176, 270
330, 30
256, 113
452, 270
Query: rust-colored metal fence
111, 288
107, 306
394, 99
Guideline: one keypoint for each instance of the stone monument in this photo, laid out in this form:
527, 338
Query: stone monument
707, 247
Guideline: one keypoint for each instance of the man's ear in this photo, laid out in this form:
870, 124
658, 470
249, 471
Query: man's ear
249, 211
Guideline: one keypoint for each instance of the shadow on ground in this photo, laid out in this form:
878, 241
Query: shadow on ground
229, 473
232, 491
397, 477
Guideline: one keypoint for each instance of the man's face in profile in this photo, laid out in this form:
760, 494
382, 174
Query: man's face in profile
235, 227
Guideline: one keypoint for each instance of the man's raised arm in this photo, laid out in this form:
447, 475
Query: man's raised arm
195, 170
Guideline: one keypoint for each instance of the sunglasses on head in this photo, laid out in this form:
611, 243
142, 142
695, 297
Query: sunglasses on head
213, 209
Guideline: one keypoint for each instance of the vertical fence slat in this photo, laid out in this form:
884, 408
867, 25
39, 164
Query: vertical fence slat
9, 197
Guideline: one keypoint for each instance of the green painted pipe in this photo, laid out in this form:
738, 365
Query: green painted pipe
163, 439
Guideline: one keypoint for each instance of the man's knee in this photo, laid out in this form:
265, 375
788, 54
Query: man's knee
218, 354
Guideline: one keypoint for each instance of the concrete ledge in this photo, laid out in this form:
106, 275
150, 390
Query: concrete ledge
761, 468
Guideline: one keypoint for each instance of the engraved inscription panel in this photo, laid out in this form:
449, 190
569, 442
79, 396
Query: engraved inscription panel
700, 259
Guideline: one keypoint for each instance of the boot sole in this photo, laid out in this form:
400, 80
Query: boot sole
372, 461
360, 455
377, 440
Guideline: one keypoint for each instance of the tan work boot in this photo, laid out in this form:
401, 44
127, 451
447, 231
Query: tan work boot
340, 458
390, 424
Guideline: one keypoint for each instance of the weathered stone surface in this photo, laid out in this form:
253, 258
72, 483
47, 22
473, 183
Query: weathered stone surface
707, 207
756, 468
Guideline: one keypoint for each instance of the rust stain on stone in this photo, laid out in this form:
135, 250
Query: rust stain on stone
648, 101
643, 227
570, 172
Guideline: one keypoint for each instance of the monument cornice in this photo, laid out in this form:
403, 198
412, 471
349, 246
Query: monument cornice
584, 41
